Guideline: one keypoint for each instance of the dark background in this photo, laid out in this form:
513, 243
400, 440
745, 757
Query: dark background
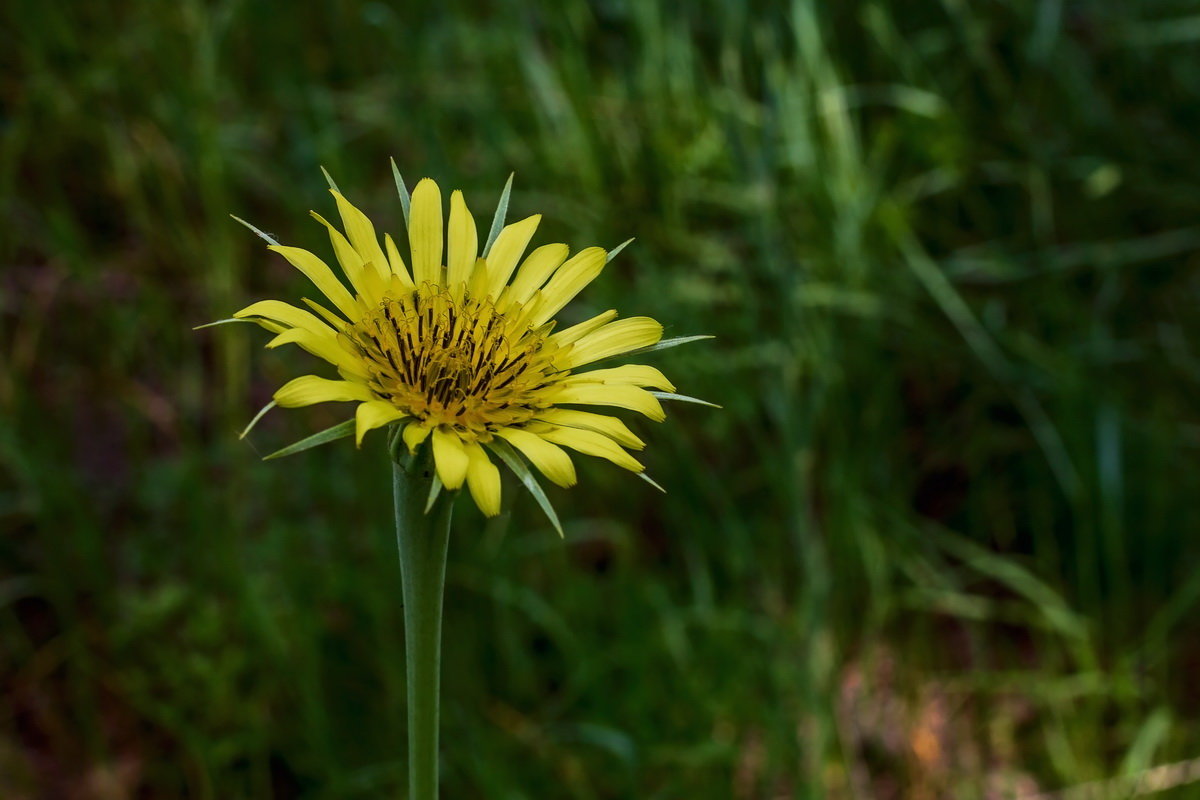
941, 541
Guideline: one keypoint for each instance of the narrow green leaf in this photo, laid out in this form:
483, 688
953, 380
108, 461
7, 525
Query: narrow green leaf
339, 431
1151, 736
651, 481
402, 190
329, 180
683, 398
270, 239
989, 352
220, 322
613, 253
435, 489
257, 417
514, 462
501, 213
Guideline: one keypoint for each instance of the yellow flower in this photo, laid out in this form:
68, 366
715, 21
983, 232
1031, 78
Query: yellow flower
461, 350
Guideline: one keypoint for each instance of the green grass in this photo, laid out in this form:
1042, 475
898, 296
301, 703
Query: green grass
940, 539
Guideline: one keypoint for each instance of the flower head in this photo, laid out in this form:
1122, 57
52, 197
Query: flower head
462, 350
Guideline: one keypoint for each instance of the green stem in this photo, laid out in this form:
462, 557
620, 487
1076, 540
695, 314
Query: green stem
422, 538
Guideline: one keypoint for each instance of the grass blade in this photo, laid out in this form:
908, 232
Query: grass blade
990, 354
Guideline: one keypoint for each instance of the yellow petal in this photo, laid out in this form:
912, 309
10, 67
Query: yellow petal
483, 479
628, 375
373, 414
330, 317
507, 251
462, 242
326, 346
449, 457
322, 277
273, 327
576, 332
289, 315
535, 271
364, 277
611, 427
611, 340
348, 258
477, 286
425, 232
414, 434
599, 394
361, 234
593, 444
550, 459
309, 389
580, 270
397, 262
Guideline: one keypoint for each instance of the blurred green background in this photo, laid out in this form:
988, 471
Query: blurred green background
941, 541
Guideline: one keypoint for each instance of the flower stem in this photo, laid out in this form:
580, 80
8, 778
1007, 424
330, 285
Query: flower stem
422, 539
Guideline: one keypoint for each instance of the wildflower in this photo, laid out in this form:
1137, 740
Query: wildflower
461, 352
458, 346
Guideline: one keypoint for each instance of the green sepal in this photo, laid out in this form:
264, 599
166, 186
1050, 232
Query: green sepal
394, 445
651, 481
662, 345
667, 343
435, 489
402, 190
514, 462
339, 431
498, 220
257, 417
220, 322
613, 253
269, 238
683, 398
329, 180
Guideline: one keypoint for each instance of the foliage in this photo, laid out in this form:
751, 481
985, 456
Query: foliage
938, 542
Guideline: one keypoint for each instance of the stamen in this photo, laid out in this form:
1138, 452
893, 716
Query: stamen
454, 362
